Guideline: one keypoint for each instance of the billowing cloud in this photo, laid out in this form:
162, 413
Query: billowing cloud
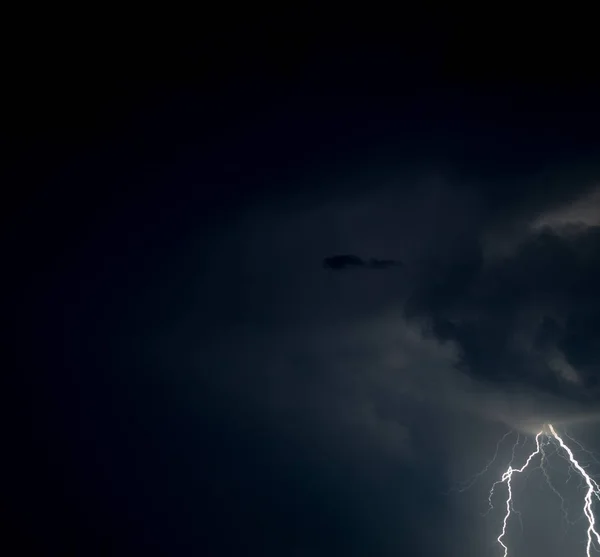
330, 412
584, 211
528, 319
380, 375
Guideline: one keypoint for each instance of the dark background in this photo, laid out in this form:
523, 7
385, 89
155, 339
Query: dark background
146, 167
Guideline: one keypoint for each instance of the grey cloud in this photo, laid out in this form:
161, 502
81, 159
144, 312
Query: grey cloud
529, 318
582, 211
393, 383
511, 320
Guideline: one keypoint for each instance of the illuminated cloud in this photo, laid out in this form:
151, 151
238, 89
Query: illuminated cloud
583, 212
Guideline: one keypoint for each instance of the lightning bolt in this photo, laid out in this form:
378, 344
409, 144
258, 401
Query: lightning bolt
546, 436
593, 490
507, 478
582, 448
544, 469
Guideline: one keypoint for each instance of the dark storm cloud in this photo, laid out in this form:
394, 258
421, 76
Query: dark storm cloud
496, 283
235, 397
302, 406
528, 317
311, 408
341, 262
320, 376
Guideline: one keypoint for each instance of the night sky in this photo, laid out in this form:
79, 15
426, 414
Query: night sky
195, 374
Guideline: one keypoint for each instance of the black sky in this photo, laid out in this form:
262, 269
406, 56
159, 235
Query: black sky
191, 380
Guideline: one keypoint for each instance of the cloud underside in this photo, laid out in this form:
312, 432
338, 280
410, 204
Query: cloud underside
529, 319
511, 336
491, 322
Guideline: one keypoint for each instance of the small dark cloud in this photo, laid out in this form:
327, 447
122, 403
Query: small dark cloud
341, 262
338, 262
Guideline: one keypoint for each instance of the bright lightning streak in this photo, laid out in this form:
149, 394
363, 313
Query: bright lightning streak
551, 486
507, 478
589, 453
593, 490
546, 436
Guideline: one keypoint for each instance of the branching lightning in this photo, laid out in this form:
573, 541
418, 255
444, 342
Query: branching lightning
545, 438
507, 478
593, 490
